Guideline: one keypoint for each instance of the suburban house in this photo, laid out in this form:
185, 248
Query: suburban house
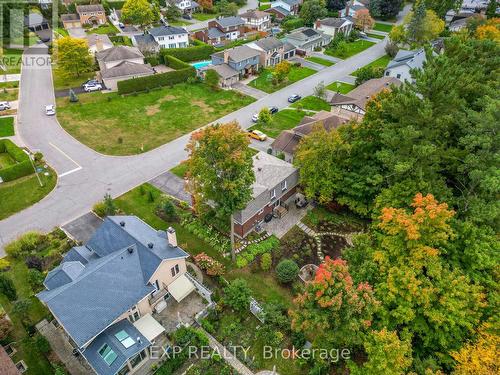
70, 21
307, 39
35, 22
351, 8
288, 140
353, 104
109, 296
272, 50
162, 37
400, 67
186, 6
7, 366
120, 63
274, 187
227, 75
221, 30
93, 14
333, 26
98, 42
256, 20
242, 59
283, 8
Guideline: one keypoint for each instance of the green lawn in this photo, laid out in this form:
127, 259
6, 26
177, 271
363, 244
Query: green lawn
264, 81
12, 59
376, 36
116, 125
312, 103
24, 192
379, 63
103, 29
178, 23
351, 50
135, 203
319, 60
283, 120
62, 31
8, 94
204, 16
6, 127
341, 87
264, 6
9, 84
61, 82
121, 40
382, 27
180, 170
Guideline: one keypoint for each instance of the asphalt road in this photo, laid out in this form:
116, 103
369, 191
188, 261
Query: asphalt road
85, 175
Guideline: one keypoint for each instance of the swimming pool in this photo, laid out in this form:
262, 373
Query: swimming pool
200, 64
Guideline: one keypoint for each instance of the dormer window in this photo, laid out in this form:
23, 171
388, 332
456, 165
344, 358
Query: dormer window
272, 193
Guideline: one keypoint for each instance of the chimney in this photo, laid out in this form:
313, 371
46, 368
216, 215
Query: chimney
98, 44
171, 237
317, 24
226, 56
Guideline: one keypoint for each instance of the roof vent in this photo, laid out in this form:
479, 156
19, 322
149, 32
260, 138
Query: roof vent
150, 245
130, 250
122, 223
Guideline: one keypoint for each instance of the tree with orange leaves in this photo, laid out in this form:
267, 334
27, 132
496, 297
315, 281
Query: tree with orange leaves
363, 20
206, 5
490, 30
333, 309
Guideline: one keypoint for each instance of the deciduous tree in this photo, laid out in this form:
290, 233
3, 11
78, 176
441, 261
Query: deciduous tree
226, 8
281, 70
385, 9
440, 7
72, 56
363, 20
421, 25
172, 12
490, 30
206, 5
138, 12
311, 10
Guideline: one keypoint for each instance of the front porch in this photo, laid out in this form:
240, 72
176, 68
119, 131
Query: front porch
183, 312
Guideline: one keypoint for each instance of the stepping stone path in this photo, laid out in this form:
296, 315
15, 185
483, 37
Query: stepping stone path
317, 237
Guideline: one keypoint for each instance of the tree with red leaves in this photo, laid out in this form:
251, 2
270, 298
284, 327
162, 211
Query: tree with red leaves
333, 310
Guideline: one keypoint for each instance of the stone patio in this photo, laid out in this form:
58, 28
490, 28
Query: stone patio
180, 312
279, 227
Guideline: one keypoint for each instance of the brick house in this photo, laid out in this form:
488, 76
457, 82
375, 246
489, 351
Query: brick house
272, 50
93, 14
275, 185
221, 30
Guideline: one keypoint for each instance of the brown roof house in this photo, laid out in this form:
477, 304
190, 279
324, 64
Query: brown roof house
92, 14
272, 51
287, 142
7, 367
120, 63
275, 186
256, 20
222, 30
353, 104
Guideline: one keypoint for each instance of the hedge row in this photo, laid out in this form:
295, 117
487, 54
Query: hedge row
175, 63
195, 53
23, 164
156, 80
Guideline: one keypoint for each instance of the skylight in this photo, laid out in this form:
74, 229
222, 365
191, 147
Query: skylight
125, 339
107, 354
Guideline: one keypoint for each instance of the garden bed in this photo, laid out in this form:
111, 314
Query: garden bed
321, 219
298, 246
333, 246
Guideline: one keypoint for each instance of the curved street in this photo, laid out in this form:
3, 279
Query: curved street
85, 175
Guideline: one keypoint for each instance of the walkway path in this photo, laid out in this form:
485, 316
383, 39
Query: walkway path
249, 90
227, 355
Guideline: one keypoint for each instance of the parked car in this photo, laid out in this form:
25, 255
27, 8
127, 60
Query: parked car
50, 110
257, 134
273, 110
293, 98
187, 16
121, 25
255, 117
4, 106
90, 82
92, 87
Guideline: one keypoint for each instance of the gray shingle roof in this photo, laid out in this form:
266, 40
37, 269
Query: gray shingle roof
223, 70
230, 21
239, 53
334, 22
70, 17
414, 59
214, 33
124, 69
166, 30
108, 337
269, 43
269, 171
119, 53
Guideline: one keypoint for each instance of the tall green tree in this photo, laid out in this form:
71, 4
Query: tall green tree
415, 28
139, 12
491, 10
311, 10
443, 6
220, 170
72, 56
385, 9
336, 4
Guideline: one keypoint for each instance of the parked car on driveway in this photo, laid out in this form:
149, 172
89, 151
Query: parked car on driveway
273, 110
92, 87
90, 82
121, 25
257, 134
187, 16
50, 110
293, 98
4, 106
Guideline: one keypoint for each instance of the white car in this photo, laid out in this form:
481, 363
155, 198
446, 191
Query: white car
89, 87
4, 106
50, 110
255, 117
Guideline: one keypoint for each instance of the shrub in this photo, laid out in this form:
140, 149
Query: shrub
208, 264
287, 270
190, 336
152, 60
391, 49
169, 210
4, 264
7, 288
265, 262
21, 168
109, 205
35, 262
35, 279
175, 63
368, 72
237, 295
25, 244
41, 344
256, 249
207, 326
194, 53
212, 79
134, 85
99, 209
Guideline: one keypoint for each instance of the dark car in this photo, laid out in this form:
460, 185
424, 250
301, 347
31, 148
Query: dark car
273, 110
293, 98
187, 17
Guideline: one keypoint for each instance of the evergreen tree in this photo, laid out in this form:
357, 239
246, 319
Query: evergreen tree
416, 26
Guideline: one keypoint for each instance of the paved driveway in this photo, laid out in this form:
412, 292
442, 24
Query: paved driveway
82, 228
77, 32
85, 175
172, 185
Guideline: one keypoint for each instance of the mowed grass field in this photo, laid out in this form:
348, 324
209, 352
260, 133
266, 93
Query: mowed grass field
116, 125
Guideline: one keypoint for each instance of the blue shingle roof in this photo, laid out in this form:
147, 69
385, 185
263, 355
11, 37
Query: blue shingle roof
166, 30
63, 274
108, 337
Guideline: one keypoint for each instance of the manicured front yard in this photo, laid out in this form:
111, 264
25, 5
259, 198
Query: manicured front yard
8, 94
379, 63
283, 120
24, 192
12, 59
341, 87
312, 103
352, 49
382, 27
376, 36
265, 83
117, 125
264, 6
319, 60
204, 16
6, 127
61, 82
103, 29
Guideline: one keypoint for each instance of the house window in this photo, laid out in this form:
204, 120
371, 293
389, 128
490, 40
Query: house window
125, 339
161, 38
171, 37
174, 270
171, 45
283, 185
398, 76
107, 354
138, 359
273, 194
124, 371
387, 73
